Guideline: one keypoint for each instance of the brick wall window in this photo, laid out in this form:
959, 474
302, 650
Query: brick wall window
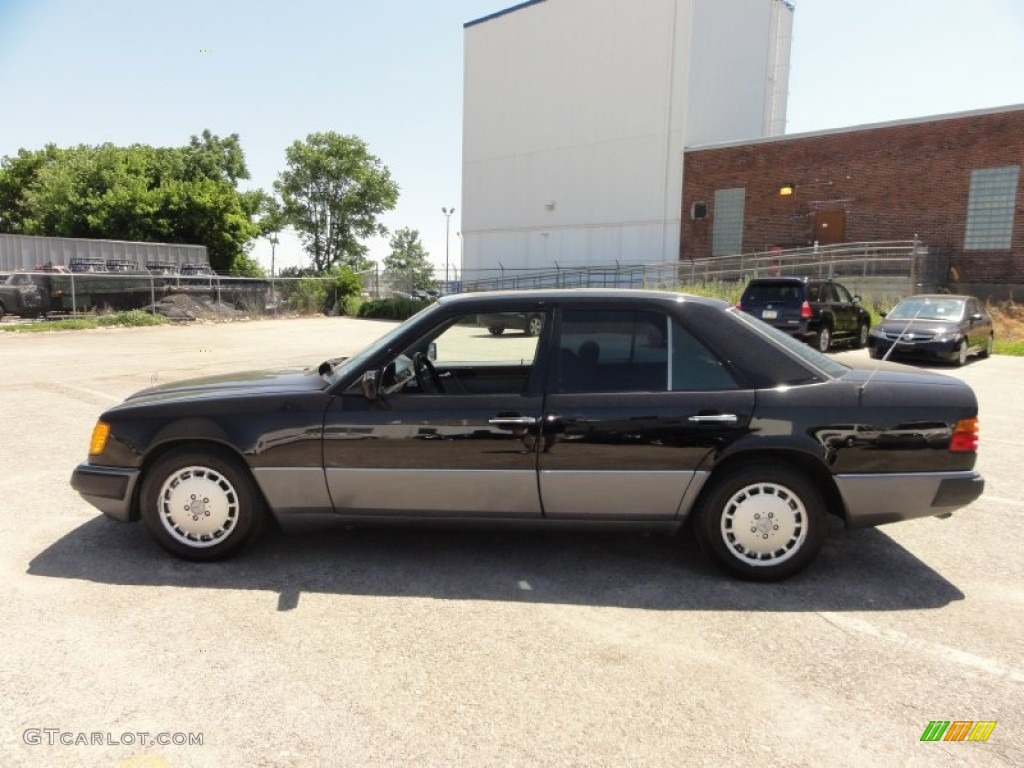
727, 230
990, 207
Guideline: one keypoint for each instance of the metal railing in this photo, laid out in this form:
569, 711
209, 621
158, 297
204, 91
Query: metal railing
905, 265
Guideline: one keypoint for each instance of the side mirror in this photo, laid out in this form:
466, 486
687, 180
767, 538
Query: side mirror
976, 316
370, 384
432, 351
856, 299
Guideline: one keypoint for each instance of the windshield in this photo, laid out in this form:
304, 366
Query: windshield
927, 309
383, 342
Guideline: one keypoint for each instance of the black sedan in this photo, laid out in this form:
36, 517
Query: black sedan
939, 327
631, 409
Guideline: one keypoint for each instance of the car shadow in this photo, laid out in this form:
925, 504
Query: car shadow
856, 571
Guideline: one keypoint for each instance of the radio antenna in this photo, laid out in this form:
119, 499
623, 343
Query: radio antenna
885, 357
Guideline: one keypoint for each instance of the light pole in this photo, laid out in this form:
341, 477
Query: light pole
447, 228
273, 288
273, 246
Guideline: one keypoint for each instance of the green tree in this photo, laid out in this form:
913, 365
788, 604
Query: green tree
157, 194
333, 191
408, 265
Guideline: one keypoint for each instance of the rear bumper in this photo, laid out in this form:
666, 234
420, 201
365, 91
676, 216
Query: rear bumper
109, 489
876, 499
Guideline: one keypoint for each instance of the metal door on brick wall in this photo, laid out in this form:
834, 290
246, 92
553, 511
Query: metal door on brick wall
830, 227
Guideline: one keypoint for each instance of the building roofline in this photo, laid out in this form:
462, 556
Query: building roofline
498, 14
858, 128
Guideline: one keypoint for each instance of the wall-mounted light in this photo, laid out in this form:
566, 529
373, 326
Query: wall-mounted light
787, 189
549, 205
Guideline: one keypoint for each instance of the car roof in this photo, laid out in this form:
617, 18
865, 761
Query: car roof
581, 294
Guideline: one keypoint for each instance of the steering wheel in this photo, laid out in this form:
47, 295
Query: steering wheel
426, 374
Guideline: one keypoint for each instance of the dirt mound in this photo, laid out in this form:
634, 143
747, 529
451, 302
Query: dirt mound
183, 308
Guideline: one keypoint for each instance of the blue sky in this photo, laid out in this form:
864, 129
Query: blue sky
77, 71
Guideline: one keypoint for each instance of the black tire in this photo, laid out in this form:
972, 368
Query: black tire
496, 330
227, 510
534, 325
861, 339
823, 338
962, 353
783, 519
2, 312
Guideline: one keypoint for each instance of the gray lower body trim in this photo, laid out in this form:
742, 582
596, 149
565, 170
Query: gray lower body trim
293, 491
613, 495
431, 492
875, 499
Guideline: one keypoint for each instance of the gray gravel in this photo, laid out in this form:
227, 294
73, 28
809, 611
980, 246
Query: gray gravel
466, 648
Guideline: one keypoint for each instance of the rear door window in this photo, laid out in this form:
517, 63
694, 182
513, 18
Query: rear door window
633, 351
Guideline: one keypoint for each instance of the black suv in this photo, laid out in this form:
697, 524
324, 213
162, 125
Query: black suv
819, 312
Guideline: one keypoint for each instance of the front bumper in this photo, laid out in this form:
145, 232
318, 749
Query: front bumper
945, 351
109, 489
876, 499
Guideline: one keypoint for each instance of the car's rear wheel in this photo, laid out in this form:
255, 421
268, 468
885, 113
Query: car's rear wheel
862, 336
496, 330
201, 504
762, 522
961, 353
534, 325
823, 338
2, 312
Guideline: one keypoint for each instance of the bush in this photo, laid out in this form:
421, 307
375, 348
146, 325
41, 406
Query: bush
391, 309
352, 305
134, 318
307, 295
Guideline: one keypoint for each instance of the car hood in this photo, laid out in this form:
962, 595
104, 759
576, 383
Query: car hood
924, 327
246, 383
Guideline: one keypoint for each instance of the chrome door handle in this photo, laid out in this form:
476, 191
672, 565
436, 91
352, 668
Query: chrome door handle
715, 418
513, 421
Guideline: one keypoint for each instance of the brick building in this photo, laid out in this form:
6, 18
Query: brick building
953, 181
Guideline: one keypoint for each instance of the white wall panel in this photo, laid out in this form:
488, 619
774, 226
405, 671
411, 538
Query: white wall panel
576, 113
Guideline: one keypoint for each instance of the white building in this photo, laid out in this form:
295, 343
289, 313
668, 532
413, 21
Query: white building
576, 113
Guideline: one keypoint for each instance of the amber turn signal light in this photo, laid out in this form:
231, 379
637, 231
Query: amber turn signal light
100, 433
965, 436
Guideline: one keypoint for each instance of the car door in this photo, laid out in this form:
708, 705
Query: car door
978, 329
843, 310
446, 434
635, 404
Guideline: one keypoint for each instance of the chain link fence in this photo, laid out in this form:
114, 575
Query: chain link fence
883, 270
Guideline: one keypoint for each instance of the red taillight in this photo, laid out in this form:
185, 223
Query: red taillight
805, 310
965, 436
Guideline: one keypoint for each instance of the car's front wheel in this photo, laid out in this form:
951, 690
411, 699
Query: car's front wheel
201, 504
961, 353
762, 522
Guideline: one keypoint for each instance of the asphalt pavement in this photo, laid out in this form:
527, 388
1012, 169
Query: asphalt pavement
442, 648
